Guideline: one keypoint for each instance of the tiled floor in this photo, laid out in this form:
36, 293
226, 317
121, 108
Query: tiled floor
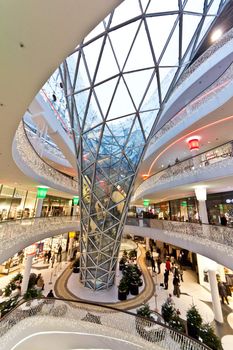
191, 292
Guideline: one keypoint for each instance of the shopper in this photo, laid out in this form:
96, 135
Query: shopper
166, 277
176, 284
52, 260
168, 264
50, 294
49, 256
159, 262
222, 292
59, 253
152, 264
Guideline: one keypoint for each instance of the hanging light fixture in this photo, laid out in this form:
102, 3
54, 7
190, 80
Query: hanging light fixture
193, 143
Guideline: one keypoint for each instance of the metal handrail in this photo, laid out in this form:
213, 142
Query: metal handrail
178, 337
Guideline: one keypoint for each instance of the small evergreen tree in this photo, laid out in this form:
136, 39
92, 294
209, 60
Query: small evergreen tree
177, 323
209, 337
167, 311
144, 311
194, 322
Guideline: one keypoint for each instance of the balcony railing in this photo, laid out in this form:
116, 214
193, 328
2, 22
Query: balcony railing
18, 234
212, 159
212, 233
38, 166
93, 319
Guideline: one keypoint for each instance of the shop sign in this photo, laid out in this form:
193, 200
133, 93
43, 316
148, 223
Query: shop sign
76, 200
41, 192
72, 234
146, 202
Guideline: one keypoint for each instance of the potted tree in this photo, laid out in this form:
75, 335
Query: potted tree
194, 322
76, 266
123, 289
209, 337
167, 311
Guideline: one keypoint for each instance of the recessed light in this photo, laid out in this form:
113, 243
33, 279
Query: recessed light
216, 35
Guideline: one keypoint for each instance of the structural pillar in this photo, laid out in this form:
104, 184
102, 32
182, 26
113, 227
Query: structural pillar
202, 210
26, 274
41, 194
70, 248
217, 308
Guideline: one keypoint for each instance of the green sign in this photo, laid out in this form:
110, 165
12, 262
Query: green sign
184, 204
41, 192
146, 202
76, 200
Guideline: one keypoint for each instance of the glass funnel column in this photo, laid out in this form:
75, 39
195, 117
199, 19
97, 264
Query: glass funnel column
116, 83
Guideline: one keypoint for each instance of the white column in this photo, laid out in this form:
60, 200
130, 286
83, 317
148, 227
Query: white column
200, 192
70, 249
217, 308
203, 212
74, 210
39, 206
26, 274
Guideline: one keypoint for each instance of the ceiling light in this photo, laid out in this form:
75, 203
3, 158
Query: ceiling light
216, 35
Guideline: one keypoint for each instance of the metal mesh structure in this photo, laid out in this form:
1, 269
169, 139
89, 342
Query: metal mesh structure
115, 84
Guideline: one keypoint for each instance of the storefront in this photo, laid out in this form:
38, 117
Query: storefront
162, 210
184, 209
21, 204
220, 205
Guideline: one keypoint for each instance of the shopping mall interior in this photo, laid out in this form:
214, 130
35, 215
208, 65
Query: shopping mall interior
116, 195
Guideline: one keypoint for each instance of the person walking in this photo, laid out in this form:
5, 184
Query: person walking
176, 284
168, 264
49, 256
52, 260
50, 294
152, 264
59, 253
166, 277
159, 262
40, 282
222, 292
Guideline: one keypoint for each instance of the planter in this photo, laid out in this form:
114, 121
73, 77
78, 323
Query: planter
76, 269
122, 294
192, 331
134, 290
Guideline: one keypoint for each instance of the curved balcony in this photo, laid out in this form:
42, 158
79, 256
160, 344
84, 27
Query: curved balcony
33, 166
213, 164
16, 235
214, 242
84, 323
217, 93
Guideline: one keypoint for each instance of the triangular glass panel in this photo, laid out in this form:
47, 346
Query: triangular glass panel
137, 83
91, 246
121, 128
166, 76
189, 30
171, 55
124, 185
162, 6
151, 100
195, 6
81, 78
93, 117
92, 138
72, 64
159, 37
108, 65
136, 59
81, 100
136, 138
147, 120
214, 7
125, 11
91, 55
122, 40
95, 32
207, 22
122, 103
104, 93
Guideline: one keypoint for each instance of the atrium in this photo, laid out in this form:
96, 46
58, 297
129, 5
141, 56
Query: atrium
116, 196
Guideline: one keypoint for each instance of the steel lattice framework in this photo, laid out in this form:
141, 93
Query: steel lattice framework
115, 84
